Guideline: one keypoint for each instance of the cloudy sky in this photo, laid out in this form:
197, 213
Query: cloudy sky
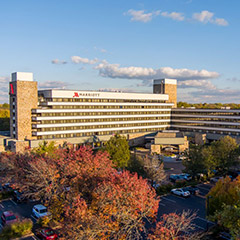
123, 45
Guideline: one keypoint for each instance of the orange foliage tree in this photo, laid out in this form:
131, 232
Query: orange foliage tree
84, 192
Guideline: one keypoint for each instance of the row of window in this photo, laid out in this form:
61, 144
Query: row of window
208, 131
100, 126
174, 111
208, 125
207, 119
100, 120
100, 133
106, 107
97, 113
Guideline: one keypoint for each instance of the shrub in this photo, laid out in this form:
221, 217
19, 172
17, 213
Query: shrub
44, 221
164, 189
17, 229
6, 194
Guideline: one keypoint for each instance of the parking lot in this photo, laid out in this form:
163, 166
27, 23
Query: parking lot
168, 204
22, 210
196, 204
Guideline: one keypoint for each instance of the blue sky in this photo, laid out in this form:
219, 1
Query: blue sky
123, 45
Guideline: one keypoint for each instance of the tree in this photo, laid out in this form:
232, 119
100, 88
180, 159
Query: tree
84, 192
118, 149
220, 155
194, 162
229, 217
224, 192
45, 147
175, 227
224, 205
225, 152
154, 169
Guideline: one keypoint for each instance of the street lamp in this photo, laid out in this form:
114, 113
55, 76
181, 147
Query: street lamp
208, 197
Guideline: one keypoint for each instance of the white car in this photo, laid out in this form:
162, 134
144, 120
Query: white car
40, 211
180, 192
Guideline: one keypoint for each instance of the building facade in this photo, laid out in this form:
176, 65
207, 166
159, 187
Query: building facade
83, 116
79, 117
206, 124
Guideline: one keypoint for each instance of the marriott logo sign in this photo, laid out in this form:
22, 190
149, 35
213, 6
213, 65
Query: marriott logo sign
79, 94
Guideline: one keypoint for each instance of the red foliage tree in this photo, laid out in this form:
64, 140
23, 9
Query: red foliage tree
85, 192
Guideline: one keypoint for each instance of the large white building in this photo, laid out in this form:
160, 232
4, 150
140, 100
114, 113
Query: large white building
78, 117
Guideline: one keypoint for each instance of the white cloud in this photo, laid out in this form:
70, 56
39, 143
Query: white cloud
53, 84
57, 61
221, 22
141, 16
116, 90
102, 50
208, 17
173, 15
204, 16
205, 84
77, 59
115, 71
4, 81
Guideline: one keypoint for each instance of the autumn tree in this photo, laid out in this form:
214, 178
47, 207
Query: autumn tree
175, 226
154, 169
84, 192
229, 218
118, 149
224, 192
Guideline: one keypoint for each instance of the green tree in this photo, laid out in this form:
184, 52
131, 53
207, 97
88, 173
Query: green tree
224, 192
229, 218
45, 147
194, 162
225, 152
118, 149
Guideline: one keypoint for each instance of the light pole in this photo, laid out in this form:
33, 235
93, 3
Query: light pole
207, 213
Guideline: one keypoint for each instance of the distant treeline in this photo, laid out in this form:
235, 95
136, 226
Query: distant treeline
4, 117
208, 105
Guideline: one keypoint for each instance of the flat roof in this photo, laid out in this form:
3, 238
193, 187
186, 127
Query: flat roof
63, 93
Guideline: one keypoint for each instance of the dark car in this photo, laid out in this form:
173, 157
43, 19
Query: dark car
46, 234
224, 236
19, 197
8, 218
192, 190
175, 177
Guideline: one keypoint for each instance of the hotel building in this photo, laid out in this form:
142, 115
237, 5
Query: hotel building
206, 124
79, 117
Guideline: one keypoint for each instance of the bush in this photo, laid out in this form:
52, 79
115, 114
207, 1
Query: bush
6, 194
164, 189
44, 221
18, 229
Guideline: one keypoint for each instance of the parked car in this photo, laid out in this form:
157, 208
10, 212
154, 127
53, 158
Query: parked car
192, 190
224, 236
215, 179
180, 192
7, 187
185, 176
175, 177
19, 197
8, 218
40, 211
46, 234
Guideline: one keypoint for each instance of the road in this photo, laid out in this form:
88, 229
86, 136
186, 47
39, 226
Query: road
22, 210
196, 204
